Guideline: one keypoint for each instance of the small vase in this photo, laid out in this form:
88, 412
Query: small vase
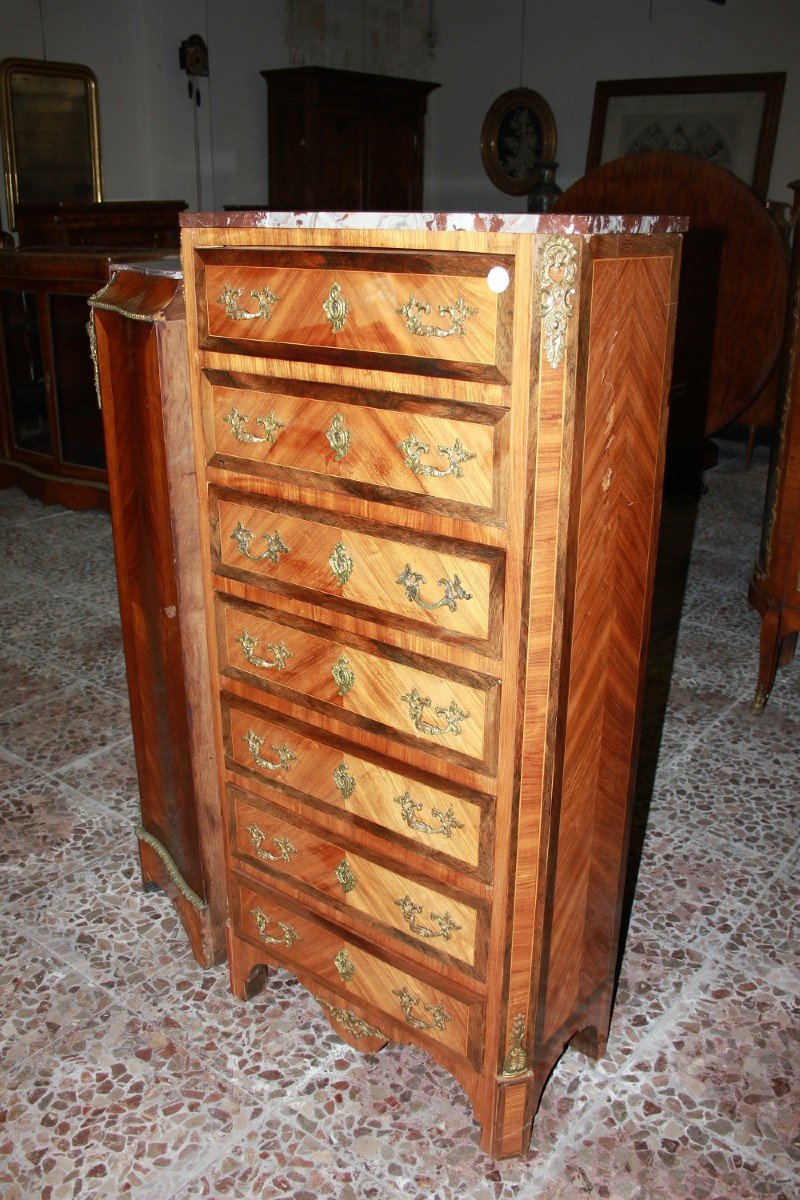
545, 190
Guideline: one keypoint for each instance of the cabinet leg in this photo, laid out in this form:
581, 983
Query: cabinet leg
787, 649
768, 654
248, 971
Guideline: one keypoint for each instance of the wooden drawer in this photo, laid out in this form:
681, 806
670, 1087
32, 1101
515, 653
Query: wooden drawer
441, 586
268, 839
411, 451
342, 963
378, 687
435, 314
340, 780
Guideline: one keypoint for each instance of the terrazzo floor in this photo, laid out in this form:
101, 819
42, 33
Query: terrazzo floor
128, 1071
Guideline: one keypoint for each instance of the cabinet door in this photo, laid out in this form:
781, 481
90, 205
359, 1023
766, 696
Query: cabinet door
340, 170
28, 416
80, 422
395, 160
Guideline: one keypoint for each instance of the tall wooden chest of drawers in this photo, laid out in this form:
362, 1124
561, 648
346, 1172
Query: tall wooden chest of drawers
429, 452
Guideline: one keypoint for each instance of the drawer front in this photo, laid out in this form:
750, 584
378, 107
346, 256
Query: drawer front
439, 590
356, 683
265, 837
433, 819
400, 311
308, 946
411, 453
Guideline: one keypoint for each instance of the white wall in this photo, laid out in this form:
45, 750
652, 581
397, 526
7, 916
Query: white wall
566, 48
147, 125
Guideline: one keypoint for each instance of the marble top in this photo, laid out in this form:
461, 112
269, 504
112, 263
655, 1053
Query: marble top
440, 221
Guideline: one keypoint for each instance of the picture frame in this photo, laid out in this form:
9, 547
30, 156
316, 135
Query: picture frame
519, 133
50, 124
728, 119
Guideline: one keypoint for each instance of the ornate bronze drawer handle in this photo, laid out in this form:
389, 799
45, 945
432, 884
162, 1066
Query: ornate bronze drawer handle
348, 1020
280, 652
341, 564
339, 437
410, 910
344, 965
344, 781
285, 756
458, 313
288, 934
447, 820
336, 308
413, 449
344, 873
407, 1002
258, 837
229, 298
343, 675
452, 715
270, 423
412, 581
275, 544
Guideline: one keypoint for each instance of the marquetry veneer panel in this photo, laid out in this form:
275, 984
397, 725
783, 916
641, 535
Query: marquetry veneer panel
441, 586
429, 567
313, 947
416, 452
411, 312
268, 840
419, 700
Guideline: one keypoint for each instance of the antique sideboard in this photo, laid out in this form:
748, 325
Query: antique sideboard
429, 456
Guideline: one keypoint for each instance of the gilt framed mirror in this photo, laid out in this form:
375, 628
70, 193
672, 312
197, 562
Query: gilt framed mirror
51, 132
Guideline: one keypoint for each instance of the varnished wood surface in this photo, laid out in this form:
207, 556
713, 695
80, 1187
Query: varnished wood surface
733, 283
566, 553
141, 338
774, 589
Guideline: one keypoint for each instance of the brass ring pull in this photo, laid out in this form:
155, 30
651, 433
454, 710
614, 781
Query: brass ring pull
458, 313
275, 544
447, 820
279, 651
258, 837
229, 299
413, 449
285, 756
288, 933
407, 1002
270, 423
452, 715
410, 910
454, 590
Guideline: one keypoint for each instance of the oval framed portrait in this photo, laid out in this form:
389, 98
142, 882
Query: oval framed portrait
519, 132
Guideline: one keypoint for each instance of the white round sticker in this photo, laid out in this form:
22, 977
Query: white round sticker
498, 279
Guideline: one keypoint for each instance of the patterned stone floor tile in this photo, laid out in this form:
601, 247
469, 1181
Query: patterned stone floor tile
281, 1162
117, 1109
107, 777
65, 727
41, 997
42, 824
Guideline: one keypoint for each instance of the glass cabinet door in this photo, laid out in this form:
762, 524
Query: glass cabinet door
80, 422
25, 377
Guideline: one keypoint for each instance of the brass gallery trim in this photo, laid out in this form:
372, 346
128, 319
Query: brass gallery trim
171, 868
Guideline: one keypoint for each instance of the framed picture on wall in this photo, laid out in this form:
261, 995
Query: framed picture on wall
519, 133
731, 120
